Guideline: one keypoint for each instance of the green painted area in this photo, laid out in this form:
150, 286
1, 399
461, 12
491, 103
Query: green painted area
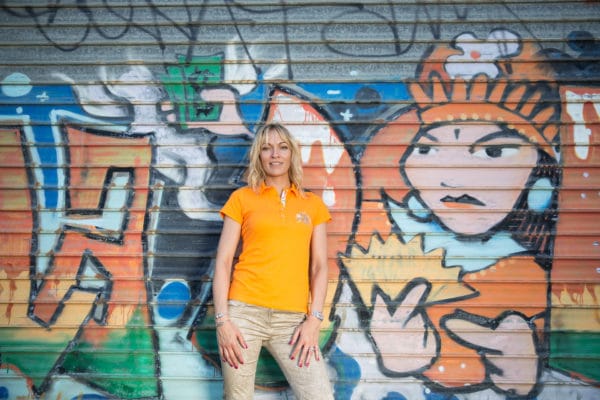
184, 82
124, 366
33, 354
577, 353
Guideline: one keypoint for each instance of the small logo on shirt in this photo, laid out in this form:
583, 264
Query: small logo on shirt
302, 217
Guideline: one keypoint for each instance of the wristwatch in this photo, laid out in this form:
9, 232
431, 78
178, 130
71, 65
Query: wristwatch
318, 315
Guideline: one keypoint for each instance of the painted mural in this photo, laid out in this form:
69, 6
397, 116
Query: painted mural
459, 158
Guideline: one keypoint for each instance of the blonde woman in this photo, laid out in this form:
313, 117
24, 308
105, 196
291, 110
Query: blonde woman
275, 293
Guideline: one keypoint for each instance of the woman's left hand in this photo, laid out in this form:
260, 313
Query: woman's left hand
305, 341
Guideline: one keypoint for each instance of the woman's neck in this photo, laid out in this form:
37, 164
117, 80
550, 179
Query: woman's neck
279, 183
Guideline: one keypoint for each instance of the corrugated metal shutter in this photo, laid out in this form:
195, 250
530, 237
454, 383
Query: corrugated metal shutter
455, 143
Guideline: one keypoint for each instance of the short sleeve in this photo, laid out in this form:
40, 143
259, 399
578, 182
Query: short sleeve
321, 212
233, 207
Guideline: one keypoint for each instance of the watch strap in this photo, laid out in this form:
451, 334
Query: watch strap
318, 315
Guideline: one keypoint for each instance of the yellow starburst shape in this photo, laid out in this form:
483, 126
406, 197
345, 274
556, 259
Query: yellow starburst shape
391, 264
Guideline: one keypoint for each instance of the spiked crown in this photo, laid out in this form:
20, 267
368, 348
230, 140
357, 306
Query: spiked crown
521, 96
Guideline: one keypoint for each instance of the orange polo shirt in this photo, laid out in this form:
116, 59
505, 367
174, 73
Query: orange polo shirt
273, 266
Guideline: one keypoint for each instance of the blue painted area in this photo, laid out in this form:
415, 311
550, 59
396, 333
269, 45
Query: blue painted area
230, 150
230, 160
394, 396
37, 104
353, 106
251, 105
429, 395
342, 102
539, 197
348, 373
16, 85
4, 393
172, 299
353, 92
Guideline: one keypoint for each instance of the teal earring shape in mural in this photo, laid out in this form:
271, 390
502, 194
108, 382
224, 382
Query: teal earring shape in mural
540, 195
418, 209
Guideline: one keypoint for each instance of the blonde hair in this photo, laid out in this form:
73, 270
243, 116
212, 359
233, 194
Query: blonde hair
256, 173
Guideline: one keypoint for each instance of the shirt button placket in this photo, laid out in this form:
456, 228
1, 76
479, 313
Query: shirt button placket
282, 202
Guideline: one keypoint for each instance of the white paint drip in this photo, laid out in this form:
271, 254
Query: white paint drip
581, 134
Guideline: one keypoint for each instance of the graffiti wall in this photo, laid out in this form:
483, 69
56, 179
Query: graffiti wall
457, 145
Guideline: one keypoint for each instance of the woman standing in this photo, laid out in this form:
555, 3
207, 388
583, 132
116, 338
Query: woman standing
274, 296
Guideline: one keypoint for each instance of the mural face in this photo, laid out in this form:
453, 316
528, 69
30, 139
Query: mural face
459, 159
475, 155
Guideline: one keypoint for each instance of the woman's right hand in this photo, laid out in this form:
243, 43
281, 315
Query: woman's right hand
231, 342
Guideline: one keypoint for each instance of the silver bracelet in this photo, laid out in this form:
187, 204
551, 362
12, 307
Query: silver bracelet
318, 315
220, 315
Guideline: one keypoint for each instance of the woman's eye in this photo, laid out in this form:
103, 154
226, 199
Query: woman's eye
496, 151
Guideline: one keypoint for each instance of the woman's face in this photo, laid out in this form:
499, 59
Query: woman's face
470, 176
275, 155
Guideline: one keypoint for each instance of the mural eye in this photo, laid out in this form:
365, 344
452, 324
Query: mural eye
424, 149
496, 152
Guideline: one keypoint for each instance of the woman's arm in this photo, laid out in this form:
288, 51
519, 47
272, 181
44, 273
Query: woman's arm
306, 337
318, 268
229, 337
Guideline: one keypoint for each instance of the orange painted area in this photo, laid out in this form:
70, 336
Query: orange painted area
575, 274
123, 259
380, 164
16, 221
380, 169
16, 225
510, 285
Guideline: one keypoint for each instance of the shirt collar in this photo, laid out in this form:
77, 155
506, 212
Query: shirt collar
292, 189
